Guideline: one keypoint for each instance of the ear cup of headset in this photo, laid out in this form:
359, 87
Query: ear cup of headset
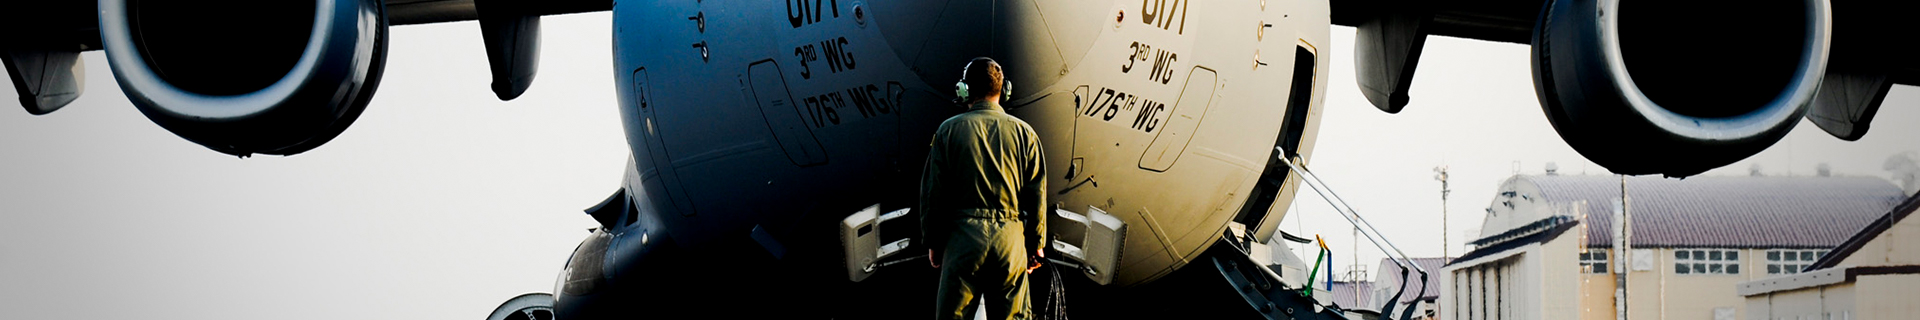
1006, 91
960, 90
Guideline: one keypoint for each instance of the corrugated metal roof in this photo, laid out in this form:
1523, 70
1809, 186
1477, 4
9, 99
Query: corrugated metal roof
1733, 212
1389, 277
1353, 295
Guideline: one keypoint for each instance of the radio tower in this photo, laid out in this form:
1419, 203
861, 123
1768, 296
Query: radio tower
1440, 173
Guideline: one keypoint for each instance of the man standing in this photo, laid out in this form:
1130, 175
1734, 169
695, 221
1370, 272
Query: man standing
982, 201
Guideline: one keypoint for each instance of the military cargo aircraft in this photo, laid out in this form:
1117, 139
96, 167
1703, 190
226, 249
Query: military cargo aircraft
774, 145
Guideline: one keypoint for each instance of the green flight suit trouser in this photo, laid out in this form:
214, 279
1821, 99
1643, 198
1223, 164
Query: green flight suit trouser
985, 260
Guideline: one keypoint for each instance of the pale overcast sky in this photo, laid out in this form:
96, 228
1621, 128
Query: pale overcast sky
441, 202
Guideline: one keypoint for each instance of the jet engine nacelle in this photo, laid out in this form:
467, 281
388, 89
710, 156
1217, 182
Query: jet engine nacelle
281, 77
1677, 87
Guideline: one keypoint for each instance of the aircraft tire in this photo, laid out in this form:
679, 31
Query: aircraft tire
530, 306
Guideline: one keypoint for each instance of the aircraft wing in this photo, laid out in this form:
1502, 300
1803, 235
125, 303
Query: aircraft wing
1751, 69
1861, 27
76, 24
406, 12
1508, 21
220, 72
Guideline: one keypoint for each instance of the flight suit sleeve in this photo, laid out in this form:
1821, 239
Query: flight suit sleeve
1033, 193
933, 228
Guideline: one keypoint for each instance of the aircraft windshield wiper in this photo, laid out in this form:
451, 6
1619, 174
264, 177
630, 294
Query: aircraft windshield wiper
1373, 235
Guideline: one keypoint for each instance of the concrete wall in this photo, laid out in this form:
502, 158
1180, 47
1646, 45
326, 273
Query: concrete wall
1838, 302
1546, 279
1452, 287
1552, 269
1882, 296
1663, 294
1538, 281
1596, 296
1894, 296
1502, 286
1899, 245
1804, 304
1531, 282
1560, 260
1757, 308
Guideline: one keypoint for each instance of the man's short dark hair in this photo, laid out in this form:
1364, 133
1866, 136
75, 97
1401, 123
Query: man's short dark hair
983, 78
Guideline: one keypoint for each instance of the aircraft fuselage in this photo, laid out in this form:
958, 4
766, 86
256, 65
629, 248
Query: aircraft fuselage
756, 127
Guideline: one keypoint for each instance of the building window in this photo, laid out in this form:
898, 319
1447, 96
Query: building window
1706, 261
1791, 261
1594, 261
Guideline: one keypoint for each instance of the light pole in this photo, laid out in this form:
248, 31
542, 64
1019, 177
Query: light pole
1440, 173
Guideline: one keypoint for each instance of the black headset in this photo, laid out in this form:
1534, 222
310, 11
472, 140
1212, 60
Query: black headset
960, 88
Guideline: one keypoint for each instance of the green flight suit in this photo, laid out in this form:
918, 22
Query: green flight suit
982, 201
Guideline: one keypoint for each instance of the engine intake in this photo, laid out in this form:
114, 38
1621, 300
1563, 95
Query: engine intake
246, 77
1677, 88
